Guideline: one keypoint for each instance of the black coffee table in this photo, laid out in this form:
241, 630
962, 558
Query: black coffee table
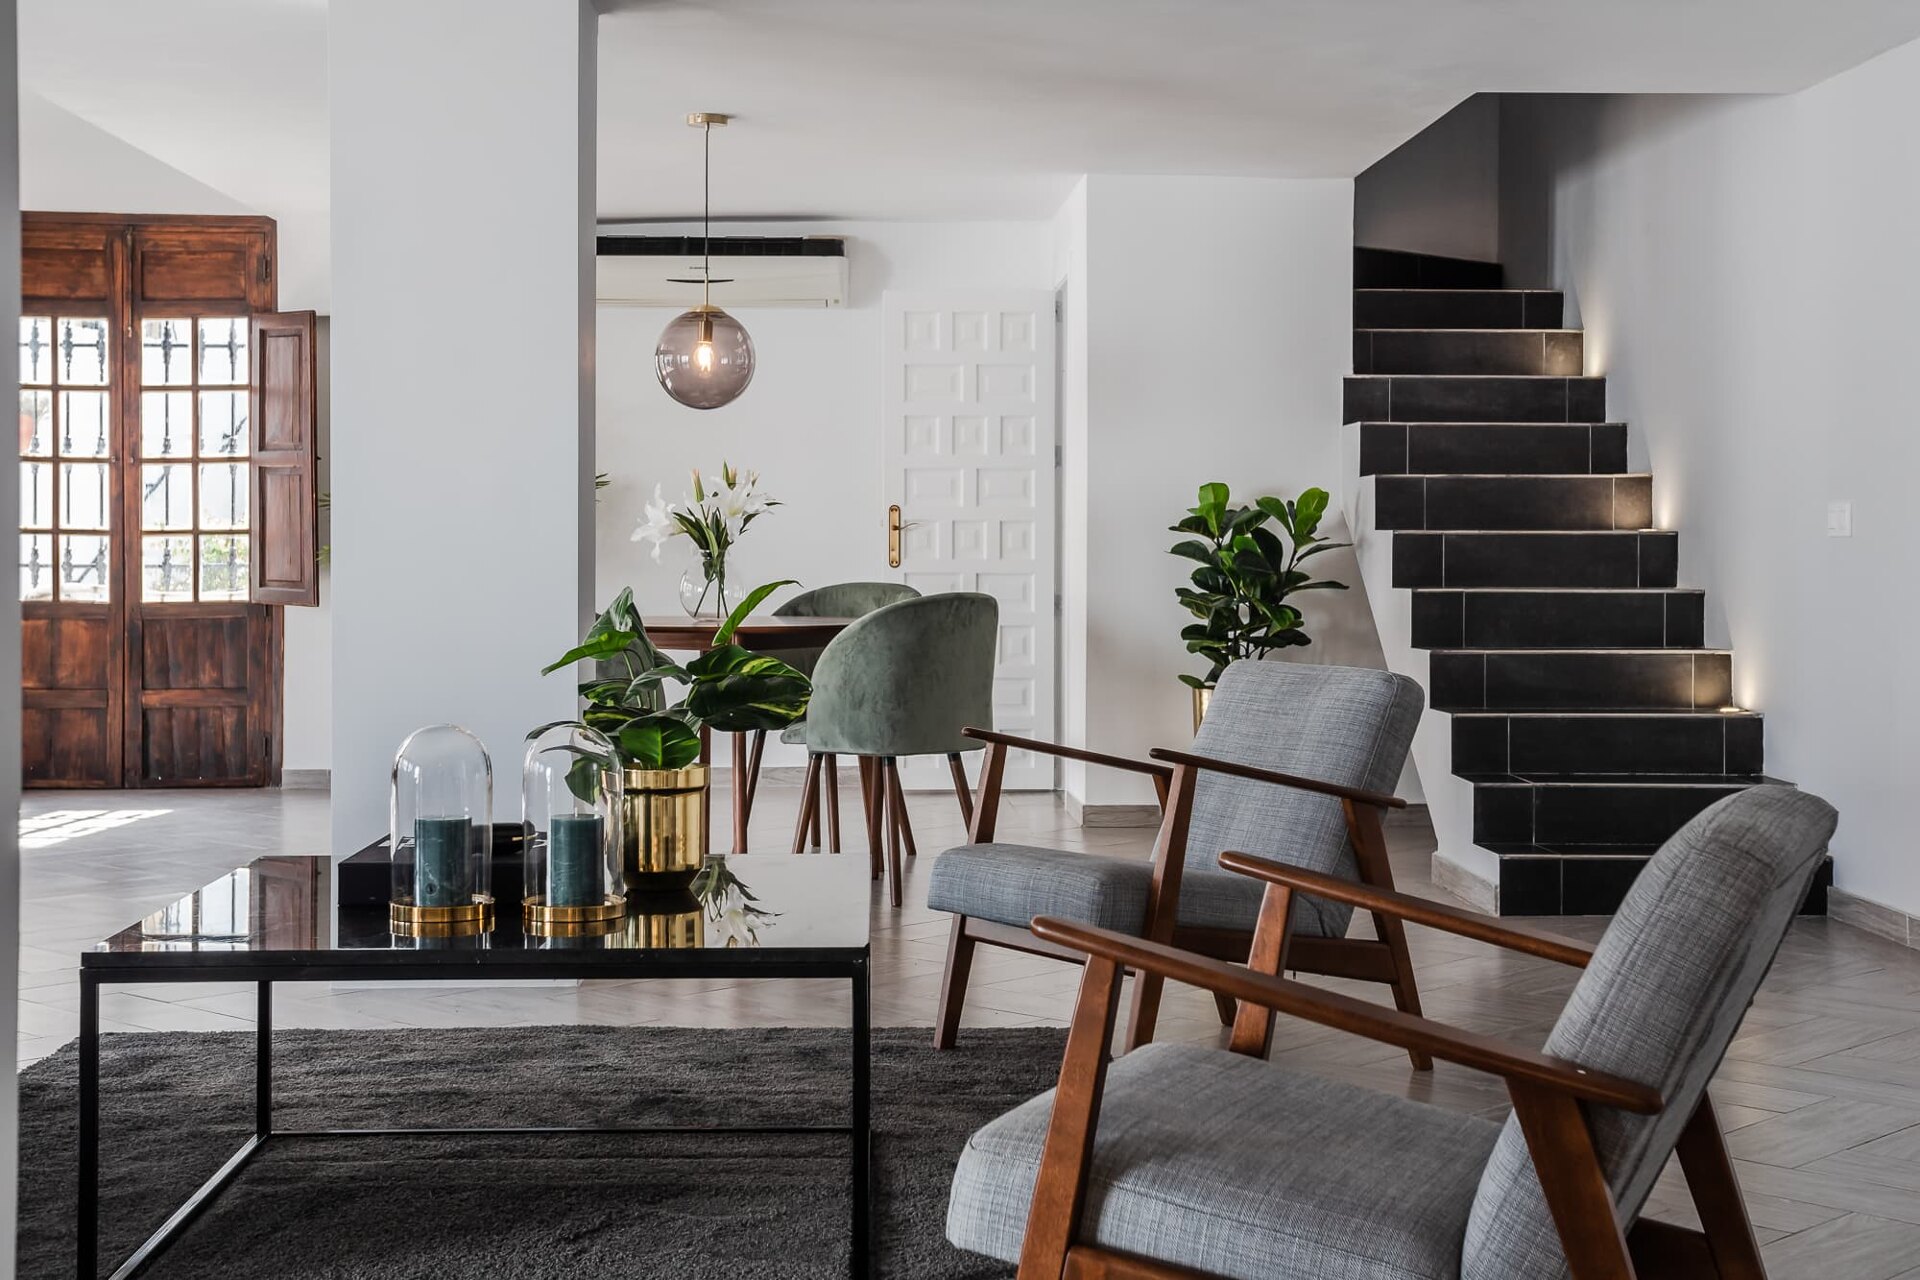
275, 921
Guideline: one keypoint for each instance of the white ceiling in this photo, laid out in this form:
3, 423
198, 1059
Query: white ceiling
945, 108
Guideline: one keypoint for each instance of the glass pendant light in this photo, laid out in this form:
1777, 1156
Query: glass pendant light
704, 358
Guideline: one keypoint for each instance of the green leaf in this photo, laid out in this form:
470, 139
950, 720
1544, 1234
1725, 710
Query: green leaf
660, 741
1280, 511
604, 645
1191, 524
1213, 494
1193, 550
605, 693
1245, 518
739, 615
1307, 512
1192, 682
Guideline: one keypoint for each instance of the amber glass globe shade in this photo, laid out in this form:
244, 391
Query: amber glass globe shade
704, 358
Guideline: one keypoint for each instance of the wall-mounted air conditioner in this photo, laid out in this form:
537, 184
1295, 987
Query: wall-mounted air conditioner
748, 271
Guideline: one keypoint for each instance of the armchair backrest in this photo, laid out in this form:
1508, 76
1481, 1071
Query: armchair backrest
905, 679
1658, 1003
1346, 725
837, 600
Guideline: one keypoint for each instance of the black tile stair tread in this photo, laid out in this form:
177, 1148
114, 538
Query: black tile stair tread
1621, 779
1602, 713
1411, 288
1465, 328
1449, 422
1509, 849
1558, 651
1549, 591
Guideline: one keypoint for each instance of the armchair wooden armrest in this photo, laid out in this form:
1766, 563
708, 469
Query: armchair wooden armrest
1345, 1013
1069, 753
986, 808
1211, 764
1434, 915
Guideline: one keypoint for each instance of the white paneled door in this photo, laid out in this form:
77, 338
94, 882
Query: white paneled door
970, 461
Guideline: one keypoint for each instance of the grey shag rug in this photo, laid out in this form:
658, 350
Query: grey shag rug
175, 1106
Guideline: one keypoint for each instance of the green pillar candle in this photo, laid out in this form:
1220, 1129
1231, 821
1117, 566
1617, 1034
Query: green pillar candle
573, 860
442, 862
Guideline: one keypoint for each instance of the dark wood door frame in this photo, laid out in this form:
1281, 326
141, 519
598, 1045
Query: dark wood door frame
194, 690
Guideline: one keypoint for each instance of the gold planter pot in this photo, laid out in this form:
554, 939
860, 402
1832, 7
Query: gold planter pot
1202, 699
664, 826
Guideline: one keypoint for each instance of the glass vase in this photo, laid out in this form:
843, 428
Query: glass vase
703, 594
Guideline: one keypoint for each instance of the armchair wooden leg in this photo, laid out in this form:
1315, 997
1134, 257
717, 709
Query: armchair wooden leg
953, 984
830, 780
896, 810
1147, 989
1227, 1007
960, 787
870, 812
809, 797
1370, 852
1577, 1194
1716, 1194
1406, 996
1253, 1027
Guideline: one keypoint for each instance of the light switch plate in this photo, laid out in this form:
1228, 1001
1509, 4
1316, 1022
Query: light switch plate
1840, 519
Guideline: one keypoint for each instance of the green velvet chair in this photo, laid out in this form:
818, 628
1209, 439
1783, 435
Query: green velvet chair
904, 680
840, 600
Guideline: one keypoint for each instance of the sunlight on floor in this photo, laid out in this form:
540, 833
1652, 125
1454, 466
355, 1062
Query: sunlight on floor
61, 825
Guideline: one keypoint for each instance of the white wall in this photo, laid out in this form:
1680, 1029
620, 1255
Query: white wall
462, 376
1438, 192
9, 661
810, 422
1201, 364
1744, 269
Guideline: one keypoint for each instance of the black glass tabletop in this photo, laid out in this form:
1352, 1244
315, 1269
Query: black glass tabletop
740, 911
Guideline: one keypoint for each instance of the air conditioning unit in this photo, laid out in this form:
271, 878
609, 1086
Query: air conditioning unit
748, 271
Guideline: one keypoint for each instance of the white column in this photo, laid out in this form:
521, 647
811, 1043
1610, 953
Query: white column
9, 651
1216, 323
462, 377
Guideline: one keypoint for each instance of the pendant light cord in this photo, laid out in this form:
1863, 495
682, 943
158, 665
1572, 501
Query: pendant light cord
706, 214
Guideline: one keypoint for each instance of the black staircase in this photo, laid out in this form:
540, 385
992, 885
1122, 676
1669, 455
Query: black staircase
1586, 712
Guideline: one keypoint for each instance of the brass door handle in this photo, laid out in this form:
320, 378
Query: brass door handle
894, 527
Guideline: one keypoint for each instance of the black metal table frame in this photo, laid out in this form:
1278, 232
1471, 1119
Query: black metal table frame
399, 967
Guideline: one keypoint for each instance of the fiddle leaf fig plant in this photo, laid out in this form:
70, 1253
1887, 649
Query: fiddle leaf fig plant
1245, 572
728, 687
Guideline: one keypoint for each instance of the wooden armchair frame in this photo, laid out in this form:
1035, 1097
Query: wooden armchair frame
1175, 775
1550, 1095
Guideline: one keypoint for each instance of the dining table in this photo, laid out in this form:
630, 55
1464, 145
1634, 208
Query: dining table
769, 634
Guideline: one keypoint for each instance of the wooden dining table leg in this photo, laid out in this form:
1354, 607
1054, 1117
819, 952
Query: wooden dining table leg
739, 793
830, 780
753, 768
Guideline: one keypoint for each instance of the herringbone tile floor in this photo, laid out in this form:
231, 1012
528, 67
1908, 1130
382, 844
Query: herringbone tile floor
1820, 1093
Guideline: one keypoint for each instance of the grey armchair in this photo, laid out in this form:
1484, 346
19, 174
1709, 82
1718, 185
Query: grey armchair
1182, 1161
839, 600
1294, 761
904, 680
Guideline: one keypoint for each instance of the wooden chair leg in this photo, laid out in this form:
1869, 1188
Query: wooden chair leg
1716, 1194
960, 788
1227, 1007
813, 817
1147, 989
1370, 853
830, 780
896, 804
906, 822
870, 810
809, 797
953, 984
758, 749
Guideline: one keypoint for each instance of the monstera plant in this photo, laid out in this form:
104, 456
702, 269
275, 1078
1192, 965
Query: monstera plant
727, 688
1248, 562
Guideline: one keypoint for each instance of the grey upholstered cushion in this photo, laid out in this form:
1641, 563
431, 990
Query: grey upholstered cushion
1347, 725
1659, 1002
1215, 1161
1012, 883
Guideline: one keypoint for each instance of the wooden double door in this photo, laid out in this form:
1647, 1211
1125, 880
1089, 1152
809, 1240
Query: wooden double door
167, 506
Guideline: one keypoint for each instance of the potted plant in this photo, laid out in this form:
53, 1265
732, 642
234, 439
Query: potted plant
727, 688
1245, 571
